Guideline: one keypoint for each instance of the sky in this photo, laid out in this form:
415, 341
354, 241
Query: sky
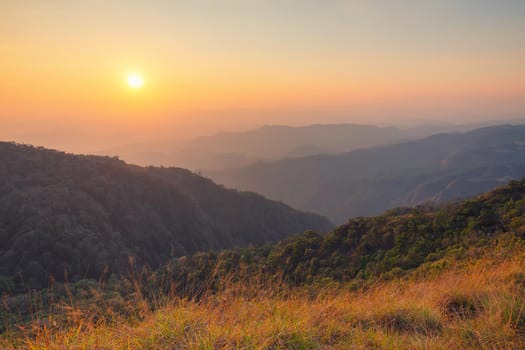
239, 64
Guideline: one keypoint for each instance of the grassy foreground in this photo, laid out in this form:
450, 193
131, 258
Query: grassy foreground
469, 305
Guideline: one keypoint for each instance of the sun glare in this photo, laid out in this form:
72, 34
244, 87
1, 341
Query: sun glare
135, 80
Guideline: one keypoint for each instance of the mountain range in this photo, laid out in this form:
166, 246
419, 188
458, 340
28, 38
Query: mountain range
271, 142
369, 181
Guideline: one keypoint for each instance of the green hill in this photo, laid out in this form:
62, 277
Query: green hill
69, 217
390, 244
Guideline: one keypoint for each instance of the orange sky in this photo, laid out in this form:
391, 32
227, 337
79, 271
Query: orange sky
233, 64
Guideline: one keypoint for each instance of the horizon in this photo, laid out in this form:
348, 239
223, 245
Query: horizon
84, 77
46, 138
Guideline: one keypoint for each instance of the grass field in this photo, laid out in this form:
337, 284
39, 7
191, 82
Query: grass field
476, 305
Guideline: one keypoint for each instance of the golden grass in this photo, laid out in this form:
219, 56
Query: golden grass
480, 306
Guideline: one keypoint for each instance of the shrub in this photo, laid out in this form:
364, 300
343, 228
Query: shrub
404, 320
461, 306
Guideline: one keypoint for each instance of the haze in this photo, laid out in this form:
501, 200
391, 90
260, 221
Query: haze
237, 65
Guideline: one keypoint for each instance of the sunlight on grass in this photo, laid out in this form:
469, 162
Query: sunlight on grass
478, 306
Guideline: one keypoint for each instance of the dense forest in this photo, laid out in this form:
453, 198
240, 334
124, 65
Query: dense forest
387, 245
68, 217
369, 181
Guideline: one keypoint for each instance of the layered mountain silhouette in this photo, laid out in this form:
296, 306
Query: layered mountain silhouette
271, 142
72, 217
369, 181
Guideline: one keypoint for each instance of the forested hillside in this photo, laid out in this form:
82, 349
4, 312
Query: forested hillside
68, 217
366, 182
390, 244
422, 278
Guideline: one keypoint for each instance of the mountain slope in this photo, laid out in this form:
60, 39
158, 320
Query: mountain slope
412, 278
368, 181
85, 215
390, 244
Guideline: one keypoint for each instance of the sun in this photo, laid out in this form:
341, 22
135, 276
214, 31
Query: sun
135, 80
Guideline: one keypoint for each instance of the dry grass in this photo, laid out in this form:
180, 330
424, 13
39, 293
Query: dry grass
476, 307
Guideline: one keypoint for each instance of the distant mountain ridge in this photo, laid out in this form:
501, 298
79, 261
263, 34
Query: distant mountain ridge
369, 181
83, 216
271, 142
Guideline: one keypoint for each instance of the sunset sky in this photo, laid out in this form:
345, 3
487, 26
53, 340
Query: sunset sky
238, 64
